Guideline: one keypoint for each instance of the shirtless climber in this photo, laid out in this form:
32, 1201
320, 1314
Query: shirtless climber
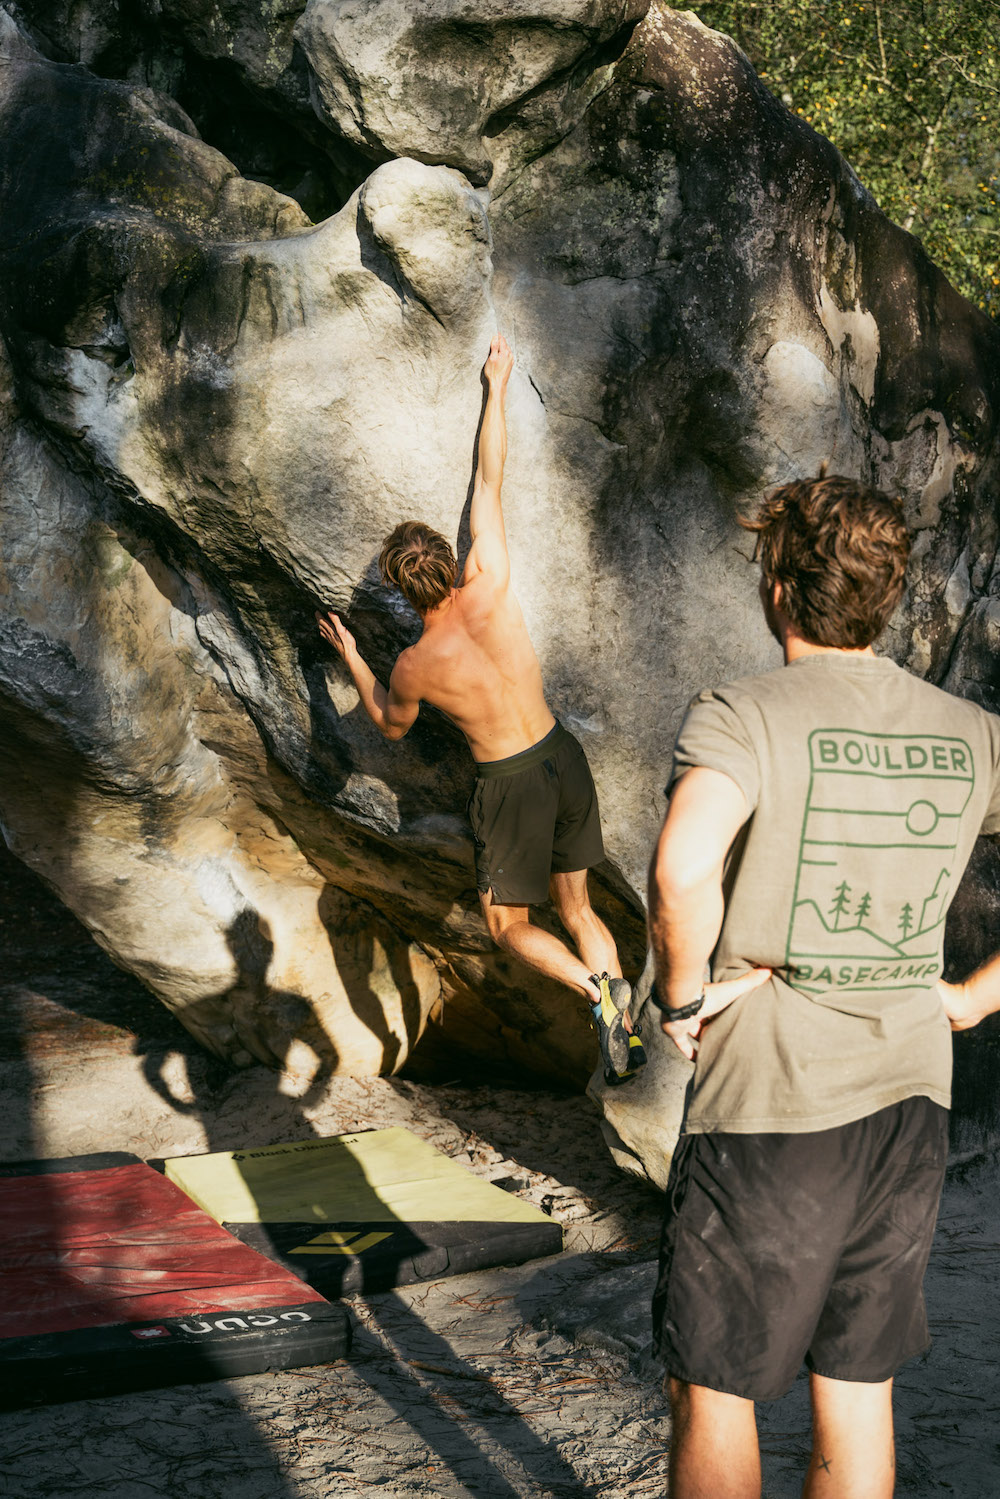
534, 808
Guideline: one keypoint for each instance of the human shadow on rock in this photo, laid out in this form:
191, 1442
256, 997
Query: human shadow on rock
264, 1020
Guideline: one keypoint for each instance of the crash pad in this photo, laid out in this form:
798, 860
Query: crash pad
113, 1279
364, 1211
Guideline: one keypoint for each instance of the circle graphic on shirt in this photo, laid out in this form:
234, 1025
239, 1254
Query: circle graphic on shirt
922, 818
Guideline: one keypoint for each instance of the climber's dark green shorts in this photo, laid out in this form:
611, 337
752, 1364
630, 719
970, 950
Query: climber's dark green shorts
533, 815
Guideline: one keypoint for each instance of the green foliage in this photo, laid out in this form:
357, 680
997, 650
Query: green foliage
909, 91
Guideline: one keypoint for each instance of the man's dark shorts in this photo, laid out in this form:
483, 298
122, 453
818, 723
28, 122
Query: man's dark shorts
779, 1247
533, 815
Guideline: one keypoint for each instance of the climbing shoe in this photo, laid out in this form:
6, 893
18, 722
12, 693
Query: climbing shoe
621, 994
636, 1050
611, 1032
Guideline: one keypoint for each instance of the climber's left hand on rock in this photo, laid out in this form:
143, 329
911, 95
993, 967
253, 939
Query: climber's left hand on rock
336, 633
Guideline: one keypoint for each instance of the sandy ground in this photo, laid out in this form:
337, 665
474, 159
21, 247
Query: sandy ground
526, 1381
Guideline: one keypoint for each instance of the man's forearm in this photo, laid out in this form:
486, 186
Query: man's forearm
983, 986
373, 695
493, 439
686, 903
684, 926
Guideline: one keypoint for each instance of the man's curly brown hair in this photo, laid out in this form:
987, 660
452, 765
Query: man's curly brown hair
839, 550
419, 562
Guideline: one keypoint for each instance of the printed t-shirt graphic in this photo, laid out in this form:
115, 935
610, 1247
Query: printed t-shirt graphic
874, 878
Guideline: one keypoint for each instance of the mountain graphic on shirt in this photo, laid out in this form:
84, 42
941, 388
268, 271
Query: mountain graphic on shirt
935, 906
817, 935
814, 935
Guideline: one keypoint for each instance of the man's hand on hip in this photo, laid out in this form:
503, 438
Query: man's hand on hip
959, 1006
968, 1003
685, 1034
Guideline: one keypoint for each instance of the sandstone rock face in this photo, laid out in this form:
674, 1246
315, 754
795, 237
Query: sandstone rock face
475, 85
215, 409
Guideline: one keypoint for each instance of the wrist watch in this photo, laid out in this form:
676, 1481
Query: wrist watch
682, 1012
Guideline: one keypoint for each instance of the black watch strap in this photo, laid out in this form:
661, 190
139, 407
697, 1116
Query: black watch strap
682, 1012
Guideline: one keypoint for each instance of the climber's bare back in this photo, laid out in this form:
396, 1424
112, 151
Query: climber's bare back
475, 662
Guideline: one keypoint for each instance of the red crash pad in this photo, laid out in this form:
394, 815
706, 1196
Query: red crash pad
113, 1279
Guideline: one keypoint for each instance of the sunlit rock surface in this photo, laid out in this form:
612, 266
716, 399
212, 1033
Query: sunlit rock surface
214, 409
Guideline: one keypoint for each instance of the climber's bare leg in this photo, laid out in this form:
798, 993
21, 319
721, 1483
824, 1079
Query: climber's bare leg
511, 928
591, 937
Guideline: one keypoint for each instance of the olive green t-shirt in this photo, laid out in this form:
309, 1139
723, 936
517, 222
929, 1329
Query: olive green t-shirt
867, 788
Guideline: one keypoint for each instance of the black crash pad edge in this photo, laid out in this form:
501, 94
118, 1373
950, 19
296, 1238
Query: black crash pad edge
125, 1356
64, 1164
410, 1252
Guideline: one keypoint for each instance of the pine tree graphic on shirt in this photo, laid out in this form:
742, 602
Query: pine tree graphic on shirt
874, 878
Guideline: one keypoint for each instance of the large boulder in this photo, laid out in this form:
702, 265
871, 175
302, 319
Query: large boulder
231, 407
